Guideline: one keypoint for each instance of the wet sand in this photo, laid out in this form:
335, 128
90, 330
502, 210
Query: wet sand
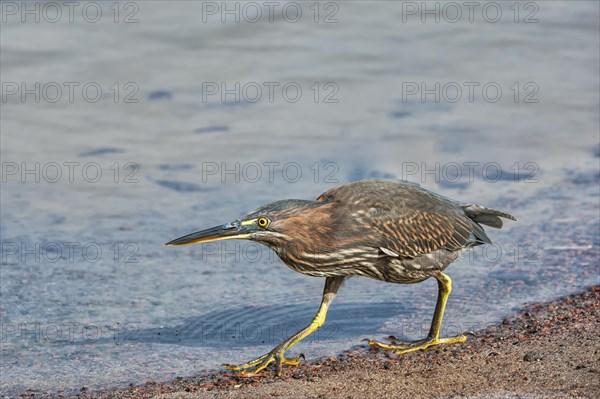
548, 350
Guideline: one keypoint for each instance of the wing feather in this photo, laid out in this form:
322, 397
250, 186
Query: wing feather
415, 233
410, 221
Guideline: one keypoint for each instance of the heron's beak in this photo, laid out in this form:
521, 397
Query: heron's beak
217, 233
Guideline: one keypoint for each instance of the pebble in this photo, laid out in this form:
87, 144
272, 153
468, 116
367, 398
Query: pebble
533, 356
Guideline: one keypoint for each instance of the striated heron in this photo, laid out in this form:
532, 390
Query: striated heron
392, 231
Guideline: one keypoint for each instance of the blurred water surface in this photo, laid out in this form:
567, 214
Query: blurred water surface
101, 302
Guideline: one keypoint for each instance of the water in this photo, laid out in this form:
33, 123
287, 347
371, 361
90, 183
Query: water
101, 302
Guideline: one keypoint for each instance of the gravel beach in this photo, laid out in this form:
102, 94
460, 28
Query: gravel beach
548, 350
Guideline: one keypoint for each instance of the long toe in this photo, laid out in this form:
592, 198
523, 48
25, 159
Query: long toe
429, 343
247, 365
396, 346
293, 361
257, 365
413, 346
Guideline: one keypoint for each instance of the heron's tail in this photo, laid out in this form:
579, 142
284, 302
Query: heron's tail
486, 216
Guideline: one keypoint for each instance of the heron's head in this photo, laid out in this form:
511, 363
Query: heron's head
277, 225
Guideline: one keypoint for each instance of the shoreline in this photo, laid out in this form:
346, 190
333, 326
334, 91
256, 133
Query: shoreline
546, 350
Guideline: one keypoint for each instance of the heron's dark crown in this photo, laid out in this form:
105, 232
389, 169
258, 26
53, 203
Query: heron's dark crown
281, 209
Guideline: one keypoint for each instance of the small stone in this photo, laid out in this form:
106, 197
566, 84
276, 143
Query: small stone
533, 356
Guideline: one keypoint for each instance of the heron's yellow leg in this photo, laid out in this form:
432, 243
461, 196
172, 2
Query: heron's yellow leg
433, 338
277, 355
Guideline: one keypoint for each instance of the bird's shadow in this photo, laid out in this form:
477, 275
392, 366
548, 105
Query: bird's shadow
251, 326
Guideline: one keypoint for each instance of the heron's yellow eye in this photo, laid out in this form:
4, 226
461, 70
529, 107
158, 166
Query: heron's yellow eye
262, 222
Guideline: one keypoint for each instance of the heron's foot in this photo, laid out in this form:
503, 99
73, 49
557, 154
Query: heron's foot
413, 346
276, 356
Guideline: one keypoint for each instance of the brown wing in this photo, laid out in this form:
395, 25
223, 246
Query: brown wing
413, 233
406, 219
